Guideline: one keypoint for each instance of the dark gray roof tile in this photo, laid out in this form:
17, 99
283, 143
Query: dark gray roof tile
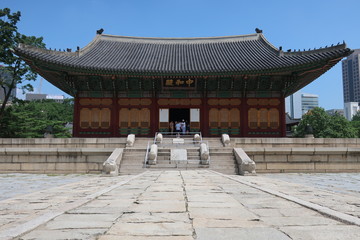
244, 53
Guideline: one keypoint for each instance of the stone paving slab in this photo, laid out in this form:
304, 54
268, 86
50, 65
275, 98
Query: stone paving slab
240, 233
177, 205
339, 232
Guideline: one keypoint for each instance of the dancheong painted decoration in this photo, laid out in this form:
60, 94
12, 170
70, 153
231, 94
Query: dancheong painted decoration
233, 84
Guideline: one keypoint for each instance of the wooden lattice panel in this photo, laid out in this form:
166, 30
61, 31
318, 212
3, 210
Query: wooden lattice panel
252, 102
213, 117
213, 102
145, 102
274, 102
195, 102
85, 118
263, 118
224, 102
274, 118
185, 101
235, 101
253, 118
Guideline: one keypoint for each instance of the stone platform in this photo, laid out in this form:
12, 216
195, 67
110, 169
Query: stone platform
193, 204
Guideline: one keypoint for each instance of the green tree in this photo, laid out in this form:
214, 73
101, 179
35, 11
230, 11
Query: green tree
25, 119
324, 125
355, 123
18, 70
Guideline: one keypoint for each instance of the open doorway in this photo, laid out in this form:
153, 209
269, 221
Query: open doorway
179, 114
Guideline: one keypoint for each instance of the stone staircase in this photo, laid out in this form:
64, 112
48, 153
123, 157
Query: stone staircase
221, 158
163, 160
132, 161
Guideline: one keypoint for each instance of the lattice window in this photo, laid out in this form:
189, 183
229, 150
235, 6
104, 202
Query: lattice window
274, 118
95, 118
253, 118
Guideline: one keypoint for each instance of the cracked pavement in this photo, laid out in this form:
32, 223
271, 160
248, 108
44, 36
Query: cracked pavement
193, 204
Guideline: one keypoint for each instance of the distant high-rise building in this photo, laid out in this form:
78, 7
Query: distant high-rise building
332, 112
350, 109
40, 96
308, 102
351, 80
300, 103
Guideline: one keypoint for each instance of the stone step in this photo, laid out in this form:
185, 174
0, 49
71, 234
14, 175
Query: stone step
221, 153
222, 159
131, 158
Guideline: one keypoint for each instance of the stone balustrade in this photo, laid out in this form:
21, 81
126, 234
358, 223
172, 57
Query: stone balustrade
130, 140
53, 160
245, 163
305, 159
225, 139
112, 164
152, 156
204, 154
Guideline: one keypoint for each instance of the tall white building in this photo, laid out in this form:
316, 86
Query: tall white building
300, 103
351, 80
350, 109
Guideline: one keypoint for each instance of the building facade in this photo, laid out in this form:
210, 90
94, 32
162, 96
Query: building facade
234, 84
42, 96
351, 79
350, 109
308, 102
298, 104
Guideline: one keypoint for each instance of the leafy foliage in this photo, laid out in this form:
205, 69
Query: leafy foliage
30, 119
325, 126
19, 71
355, 123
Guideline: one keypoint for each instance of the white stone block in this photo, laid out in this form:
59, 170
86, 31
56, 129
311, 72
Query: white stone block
204, 154
225, 139
197, 138
159, 138
130, 140
244, 161
152, 156
111, 165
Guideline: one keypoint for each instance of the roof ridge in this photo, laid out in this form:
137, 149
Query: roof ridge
45, 50
319, 50
167, 40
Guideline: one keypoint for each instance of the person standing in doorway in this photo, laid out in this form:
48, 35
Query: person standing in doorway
177, 127
171, 127
183, 126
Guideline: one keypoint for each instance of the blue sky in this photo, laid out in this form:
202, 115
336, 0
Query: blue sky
291, 24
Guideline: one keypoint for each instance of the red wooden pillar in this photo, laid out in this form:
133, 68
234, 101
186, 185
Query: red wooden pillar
114, 125
154, 116
76, 119
243, 117
282, 117
204, 117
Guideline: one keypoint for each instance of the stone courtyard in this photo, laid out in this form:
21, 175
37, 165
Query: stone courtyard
193, 204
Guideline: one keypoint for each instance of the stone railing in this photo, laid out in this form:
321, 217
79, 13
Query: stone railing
305, 159
112, 164
295, 142
62, 142
53, 160
244, 162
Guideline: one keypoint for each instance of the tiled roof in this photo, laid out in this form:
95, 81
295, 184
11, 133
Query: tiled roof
236, 54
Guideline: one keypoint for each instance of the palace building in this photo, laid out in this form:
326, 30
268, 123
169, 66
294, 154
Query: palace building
233, 84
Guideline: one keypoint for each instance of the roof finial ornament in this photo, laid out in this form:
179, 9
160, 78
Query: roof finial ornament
257, 30
100, 31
